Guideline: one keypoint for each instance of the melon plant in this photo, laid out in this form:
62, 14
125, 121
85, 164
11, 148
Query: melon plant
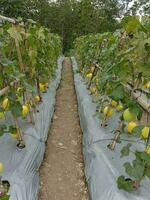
28, 63
117, 66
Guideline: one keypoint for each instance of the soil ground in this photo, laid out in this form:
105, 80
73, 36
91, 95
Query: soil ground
62, 172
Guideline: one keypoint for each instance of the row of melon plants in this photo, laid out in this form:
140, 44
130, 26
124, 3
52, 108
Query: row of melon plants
116, 66
28, 62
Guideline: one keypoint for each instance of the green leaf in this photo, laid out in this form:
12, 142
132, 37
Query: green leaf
147, 172
137, 131
136, 171
118, 93
135, 108
144, 157
5, 197
12, 129
131, 23
41, 34
12, 95
129, 169
16, 109
125, 150
14, 33
2, 129
125, 184
145, 69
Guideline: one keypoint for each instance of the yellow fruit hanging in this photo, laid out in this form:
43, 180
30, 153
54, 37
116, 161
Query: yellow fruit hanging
41, 87
148, 150
108, 111
1, 115
46, 85
37, 99
93, 90
89, 75
1, 167
145, 132
147, 85
114, 103
25, 110
5, 104
92, 69
131, 126
119, 107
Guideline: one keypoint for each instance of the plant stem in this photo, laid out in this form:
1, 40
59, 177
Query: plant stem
23, 70
21, 143
38, 88
29, 108
112, 145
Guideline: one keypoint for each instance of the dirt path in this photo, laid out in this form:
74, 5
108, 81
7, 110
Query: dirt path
62, 174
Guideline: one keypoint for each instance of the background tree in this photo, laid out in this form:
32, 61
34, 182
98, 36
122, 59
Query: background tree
14, 8
72, 18
134, 7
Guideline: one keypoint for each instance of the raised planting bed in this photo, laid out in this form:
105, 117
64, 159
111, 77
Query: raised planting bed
21, 165
103, 166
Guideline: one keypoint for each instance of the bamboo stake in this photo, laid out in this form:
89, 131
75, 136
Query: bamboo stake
140, 100
4, 91
96, 68
10, 20
112, 145
7, 19
19, 55
23, 70
38, 88
21, 143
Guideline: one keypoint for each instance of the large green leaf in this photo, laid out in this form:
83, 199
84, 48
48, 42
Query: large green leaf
125, 184
125, 150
